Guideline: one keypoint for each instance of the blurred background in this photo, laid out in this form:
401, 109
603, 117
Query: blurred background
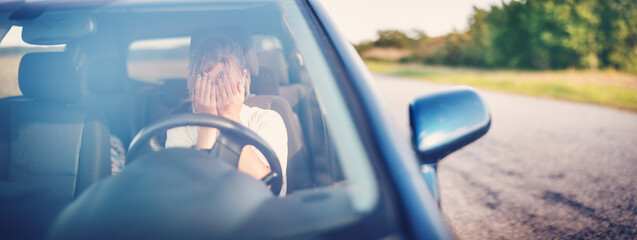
560, 78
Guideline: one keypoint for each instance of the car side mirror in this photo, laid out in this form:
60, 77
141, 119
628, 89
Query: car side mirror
444, 122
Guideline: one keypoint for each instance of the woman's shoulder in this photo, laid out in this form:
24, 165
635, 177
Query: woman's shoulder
260, 112
260, 115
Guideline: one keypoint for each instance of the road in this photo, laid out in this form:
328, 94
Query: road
546, 169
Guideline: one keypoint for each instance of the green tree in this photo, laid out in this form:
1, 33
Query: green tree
393, 38
618, 34
544, 34
453, 51
422, 47
363, 46
536, 34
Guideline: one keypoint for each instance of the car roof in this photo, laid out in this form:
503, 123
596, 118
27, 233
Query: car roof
12, 5
56, 22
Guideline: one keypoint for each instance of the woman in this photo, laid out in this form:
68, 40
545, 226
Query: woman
218, 83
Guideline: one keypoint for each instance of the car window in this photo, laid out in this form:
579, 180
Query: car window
153, 60
264, 43
287, 48
354, 160
134, 68
12, 48
157, 60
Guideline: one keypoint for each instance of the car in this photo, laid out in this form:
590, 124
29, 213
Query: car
90, 90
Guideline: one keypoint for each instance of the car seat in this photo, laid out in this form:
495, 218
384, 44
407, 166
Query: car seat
166, 97
105, 77
273, 62
47, 139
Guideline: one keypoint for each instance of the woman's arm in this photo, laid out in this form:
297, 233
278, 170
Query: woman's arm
206, 137
251, 164
272, 129
205, 101
269, 125
229, 97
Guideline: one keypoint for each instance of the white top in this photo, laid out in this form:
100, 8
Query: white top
267, 124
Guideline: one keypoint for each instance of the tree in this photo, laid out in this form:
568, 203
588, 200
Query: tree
393, 38
537, 34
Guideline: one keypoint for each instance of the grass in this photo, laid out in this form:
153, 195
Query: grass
607, 88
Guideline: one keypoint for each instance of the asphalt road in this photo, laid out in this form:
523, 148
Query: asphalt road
546, 169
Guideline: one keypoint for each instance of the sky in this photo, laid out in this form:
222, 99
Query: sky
359, 20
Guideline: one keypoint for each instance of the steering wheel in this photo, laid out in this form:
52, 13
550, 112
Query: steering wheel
230, 141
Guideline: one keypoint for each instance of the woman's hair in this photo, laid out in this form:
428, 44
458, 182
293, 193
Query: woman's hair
209, 49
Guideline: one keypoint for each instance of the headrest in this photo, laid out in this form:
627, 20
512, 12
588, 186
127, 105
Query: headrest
105, 73
49, 76
275, 60
265, 84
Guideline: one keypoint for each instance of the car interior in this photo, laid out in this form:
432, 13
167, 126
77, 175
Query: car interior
90, 78
128, 73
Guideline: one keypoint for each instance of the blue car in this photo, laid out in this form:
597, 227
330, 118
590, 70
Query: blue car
95, 94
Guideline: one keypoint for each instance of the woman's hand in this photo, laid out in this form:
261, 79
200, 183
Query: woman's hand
205, 97
205, 101
229, 95
219, 94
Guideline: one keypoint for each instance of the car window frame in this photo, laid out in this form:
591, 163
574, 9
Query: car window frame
390, 201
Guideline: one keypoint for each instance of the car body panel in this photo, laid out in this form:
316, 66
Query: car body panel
421, 208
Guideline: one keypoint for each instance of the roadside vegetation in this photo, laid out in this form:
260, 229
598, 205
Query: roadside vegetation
608, 88
575, 50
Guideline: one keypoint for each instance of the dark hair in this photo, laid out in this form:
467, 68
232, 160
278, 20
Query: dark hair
208, 49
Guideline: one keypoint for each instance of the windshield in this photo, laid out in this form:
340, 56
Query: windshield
131, 65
